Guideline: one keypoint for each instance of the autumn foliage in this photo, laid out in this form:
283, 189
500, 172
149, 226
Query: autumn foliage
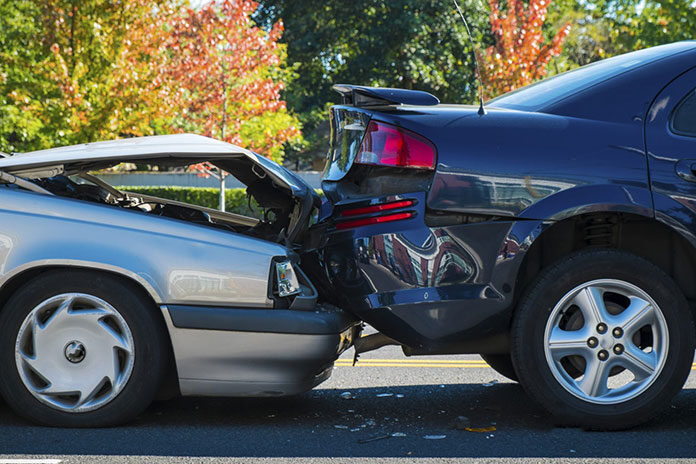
107, 70
520, 53
223, 76
212, 71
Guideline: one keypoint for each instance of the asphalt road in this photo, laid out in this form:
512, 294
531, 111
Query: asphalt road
401, 410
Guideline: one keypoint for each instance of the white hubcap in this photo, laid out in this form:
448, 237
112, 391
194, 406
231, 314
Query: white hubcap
74, 352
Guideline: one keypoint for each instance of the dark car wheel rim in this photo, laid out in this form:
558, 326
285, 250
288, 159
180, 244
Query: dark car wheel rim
74, 352
606, 341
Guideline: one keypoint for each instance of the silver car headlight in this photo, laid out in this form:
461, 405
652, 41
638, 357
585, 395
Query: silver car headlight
286, 279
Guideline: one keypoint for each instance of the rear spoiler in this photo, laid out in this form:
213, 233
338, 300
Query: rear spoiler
361, 96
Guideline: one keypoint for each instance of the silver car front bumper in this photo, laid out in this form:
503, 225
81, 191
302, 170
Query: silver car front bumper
255, 352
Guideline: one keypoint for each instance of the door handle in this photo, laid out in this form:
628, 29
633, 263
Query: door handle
686, 169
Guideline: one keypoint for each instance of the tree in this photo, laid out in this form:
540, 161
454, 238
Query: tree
57, 67
21, 88
78, 71
219, 75
604, 28
521, 52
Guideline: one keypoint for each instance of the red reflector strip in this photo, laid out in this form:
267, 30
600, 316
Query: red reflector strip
377, 208
373, 220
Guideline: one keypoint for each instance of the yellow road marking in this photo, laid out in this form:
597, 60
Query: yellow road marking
441, 363
421, 360
446, 366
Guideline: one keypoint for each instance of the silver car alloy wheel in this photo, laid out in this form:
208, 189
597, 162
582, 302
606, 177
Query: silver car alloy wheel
606, 341
74, 352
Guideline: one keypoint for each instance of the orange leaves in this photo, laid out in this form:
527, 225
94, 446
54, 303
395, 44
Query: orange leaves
221, 68
520, 54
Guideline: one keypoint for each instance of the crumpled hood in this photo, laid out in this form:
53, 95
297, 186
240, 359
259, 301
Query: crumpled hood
262, 176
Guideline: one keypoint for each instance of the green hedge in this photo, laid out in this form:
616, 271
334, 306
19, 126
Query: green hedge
236, 200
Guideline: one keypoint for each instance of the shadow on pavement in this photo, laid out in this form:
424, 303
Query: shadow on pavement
323, 424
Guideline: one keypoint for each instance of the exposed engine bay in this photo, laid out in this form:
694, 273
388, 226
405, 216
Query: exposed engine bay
286, 203
271, 226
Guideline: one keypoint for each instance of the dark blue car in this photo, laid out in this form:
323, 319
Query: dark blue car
555, 234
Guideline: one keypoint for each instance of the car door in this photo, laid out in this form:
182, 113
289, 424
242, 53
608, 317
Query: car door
670, 135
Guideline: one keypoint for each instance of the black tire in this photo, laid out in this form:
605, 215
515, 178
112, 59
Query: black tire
528, 344
502, 364
148, 341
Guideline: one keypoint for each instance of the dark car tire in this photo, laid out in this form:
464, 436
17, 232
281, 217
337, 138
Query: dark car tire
125, 335
560, 393
502, 364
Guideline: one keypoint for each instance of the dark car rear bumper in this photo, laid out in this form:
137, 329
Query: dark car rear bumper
443, 289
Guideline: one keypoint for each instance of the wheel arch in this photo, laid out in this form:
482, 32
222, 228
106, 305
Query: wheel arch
641, 235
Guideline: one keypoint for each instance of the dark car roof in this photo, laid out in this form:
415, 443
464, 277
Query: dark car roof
550, 92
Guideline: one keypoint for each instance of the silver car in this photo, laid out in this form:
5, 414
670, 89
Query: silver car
110, 298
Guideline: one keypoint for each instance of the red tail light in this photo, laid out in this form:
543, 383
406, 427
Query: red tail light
387, 145
374, 220
377, 208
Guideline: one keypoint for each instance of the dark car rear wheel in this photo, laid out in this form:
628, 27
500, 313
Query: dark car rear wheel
603, 339
79, 349
502, 364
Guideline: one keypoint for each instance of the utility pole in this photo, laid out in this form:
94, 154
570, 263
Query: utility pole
222, 136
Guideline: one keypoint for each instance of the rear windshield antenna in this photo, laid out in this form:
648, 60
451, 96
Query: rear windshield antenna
481, 110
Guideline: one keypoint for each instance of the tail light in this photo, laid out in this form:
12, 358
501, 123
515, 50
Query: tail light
374, 220
379, 208
387, 145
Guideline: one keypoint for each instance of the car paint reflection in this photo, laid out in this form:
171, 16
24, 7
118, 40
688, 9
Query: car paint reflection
436, 261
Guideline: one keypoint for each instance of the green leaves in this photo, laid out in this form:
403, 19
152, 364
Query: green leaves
79, 71
604, 28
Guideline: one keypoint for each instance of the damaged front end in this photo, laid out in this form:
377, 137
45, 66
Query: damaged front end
286, 201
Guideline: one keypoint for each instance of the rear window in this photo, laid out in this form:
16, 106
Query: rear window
684, 117
545, 92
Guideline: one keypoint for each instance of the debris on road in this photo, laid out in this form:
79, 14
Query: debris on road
384, 395
480, 429
399, 395
434, 437
347, 396
491, 383
345, 427
398, 434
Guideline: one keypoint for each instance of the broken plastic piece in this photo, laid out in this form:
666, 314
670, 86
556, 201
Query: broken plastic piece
480, 429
